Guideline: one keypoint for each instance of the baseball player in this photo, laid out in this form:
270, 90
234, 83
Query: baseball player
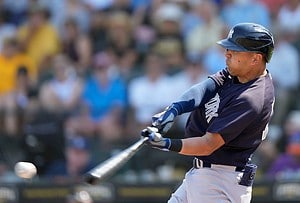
230, 112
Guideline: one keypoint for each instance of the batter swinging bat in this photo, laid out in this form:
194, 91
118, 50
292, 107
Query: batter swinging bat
103, 170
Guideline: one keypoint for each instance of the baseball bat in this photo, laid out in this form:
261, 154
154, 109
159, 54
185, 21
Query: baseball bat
108, 167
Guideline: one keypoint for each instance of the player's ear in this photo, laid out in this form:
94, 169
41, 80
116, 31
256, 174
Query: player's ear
256, 58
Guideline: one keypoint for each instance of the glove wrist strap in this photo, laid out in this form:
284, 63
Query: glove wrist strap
175, 145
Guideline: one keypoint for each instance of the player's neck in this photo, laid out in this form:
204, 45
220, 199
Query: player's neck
252, 75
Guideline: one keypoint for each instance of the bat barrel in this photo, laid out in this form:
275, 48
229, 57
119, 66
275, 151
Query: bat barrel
103, 170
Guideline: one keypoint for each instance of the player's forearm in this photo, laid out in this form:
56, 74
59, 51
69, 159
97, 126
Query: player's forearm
195, 146
201, 146
195, 96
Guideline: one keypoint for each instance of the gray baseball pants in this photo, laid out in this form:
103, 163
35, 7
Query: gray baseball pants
218, 184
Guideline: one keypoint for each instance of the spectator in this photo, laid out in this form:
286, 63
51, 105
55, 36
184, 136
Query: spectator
33, 33
268, 151
144, 36
98, 33
16, 102
237, 11
77, 46
273, 6
191, 18
17, 72
7, 29
169, 42
287, 165
125, 64
72, 9
11, 59
206, 34
77, 161
193, 73
17, 10
213, 57
154, 84
121, 5
98, 5
167, 20
104, 99
290, 10
286, 80
61, 94
120, 22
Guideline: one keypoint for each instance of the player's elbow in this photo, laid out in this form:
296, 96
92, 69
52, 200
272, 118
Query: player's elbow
206, 152
209, 149
202, 146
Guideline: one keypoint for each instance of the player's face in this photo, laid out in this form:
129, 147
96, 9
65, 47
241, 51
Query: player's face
238, 63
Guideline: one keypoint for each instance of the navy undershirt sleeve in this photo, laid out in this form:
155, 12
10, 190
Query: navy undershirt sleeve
200, 93
195, 96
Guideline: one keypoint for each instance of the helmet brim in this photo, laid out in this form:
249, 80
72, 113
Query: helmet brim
227, 44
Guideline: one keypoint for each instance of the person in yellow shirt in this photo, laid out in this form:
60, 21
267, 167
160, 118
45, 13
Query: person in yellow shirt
38, 37
12, 61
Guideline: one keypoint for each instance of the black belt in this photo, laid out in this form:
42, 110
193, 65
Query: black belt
198, 163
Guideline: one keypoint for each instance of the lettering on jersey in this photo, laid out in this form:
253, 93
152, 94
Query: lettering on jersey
212, 107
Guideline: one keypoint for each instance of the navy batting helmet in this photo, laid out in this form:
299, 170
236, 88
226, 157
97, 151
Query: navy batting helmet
249, 37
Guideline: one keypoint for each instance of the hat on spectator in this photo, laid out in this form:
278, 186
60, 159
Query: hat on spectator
170, 12
78, 142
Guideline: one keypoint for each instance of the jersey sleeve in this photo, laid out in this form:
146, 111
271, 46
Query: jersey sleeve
233, 119
220, 77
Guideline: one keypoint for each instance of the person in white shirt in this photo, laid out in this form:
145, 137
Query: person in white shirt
154, 84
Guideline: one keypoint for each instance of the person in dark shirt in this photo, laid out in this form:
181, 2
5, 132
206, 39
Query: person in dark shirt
287, 165
230, 112
77, 161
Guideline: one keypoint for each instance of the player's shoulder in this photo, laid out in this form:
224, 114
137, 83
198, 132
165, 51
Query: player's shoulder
221, 77
258, 94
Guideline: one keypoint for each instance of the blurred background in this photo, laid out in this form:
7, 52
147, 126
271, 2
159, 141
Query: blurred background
79, 79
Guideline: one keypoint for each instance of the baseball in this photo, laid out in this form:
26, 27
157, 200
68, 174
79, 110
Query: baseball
25, 170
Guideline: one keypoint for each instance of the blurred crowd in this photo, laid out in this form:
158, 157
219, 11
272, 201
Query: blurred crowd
79, 79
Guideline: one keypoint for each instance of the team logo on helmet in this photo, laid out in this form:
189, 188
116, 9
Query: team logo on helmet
230, 33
